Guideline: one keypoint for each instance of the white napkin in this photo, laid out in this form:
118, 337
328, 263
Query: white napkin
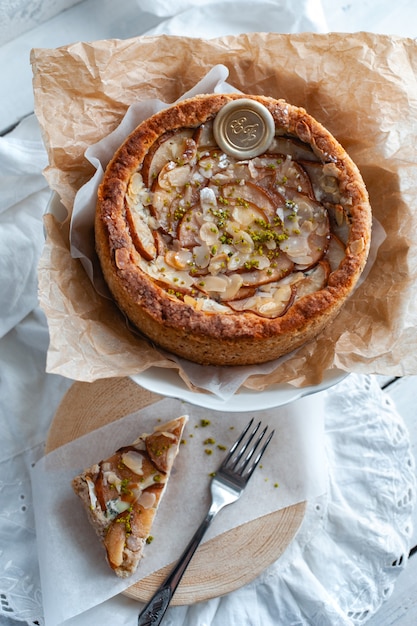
23, 197
215, 18
28, 396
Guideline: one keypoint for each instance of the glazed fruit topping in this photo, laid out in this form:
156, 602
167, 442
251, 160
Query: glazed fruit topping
232, 235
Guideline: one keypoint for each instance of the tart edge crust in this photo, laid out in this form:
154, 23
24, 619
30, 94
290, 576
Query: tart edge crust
213, 338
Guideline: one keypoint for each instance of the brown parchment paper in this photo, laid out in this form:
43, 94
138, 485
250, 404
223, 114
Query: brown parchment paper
361, 86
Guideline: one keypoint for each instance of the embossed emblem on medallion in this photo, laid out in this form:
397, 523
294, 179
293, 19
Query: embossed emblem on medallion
244, 128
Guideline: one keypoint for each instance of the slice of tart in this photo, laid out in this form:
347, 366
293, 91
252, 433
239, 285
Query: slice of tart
121, 494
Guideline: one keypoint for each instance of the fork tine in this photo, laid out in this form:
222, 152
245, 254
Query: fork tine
252, 451
239, 463
260, 453
244, 446
236, 444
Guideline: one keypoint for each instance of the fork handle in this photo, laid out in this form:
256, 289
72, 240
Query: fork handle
154, 611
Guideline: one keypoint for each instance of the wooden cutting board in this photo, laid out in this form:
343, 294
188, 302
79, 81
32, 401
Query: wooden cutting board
220, 565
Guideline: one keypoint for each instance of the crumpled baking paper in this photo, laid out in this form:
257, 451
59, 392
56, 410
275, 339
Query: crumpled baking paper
361, 86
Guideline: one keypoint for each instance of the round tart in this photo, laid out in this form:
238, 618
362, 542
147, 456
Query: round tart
223, 254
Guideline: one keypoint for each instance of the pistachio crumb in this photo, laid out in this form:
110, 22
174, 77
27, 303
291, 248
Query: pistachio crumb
208, 451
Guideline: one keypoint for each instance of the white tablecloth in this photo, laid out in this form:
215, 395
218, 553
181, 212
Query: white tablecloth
353, 542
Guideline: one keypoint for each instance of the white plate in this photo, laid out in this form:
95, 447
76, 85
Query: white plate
167, 382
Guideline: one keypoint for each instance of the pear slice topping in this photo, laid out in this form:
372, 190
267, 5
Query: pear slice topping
232, 235
314, 280
266, 304
142, 234
171, 146
336, 252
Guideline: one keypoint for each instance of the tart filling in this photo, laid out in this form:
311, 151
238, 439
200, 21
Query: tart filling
190, 236
228, 235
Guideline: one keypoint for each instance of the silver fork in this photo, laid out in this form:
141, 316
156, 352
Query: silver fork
226, 487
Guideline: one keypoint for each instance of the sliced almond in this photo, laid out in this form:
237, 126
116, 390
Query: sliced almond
201, 255
134, 461
179, 259
218, 264
147, 499
212, 162
213, 284
242, 240
243, 292
121, 258
357, 246
193, 302
163, 208
136, 184
237, 260
235, 282
247, 215
112, 479
209, 233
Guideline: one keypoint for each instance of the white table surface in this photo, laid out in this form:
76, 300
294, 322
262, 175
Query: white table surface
25, 338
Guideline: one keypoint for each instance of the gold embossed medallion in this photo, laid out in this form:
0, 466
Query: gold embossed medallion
244, 128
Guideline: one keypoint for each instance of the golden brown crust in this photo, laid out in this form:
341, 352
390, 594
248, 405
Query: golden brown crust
235, 338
